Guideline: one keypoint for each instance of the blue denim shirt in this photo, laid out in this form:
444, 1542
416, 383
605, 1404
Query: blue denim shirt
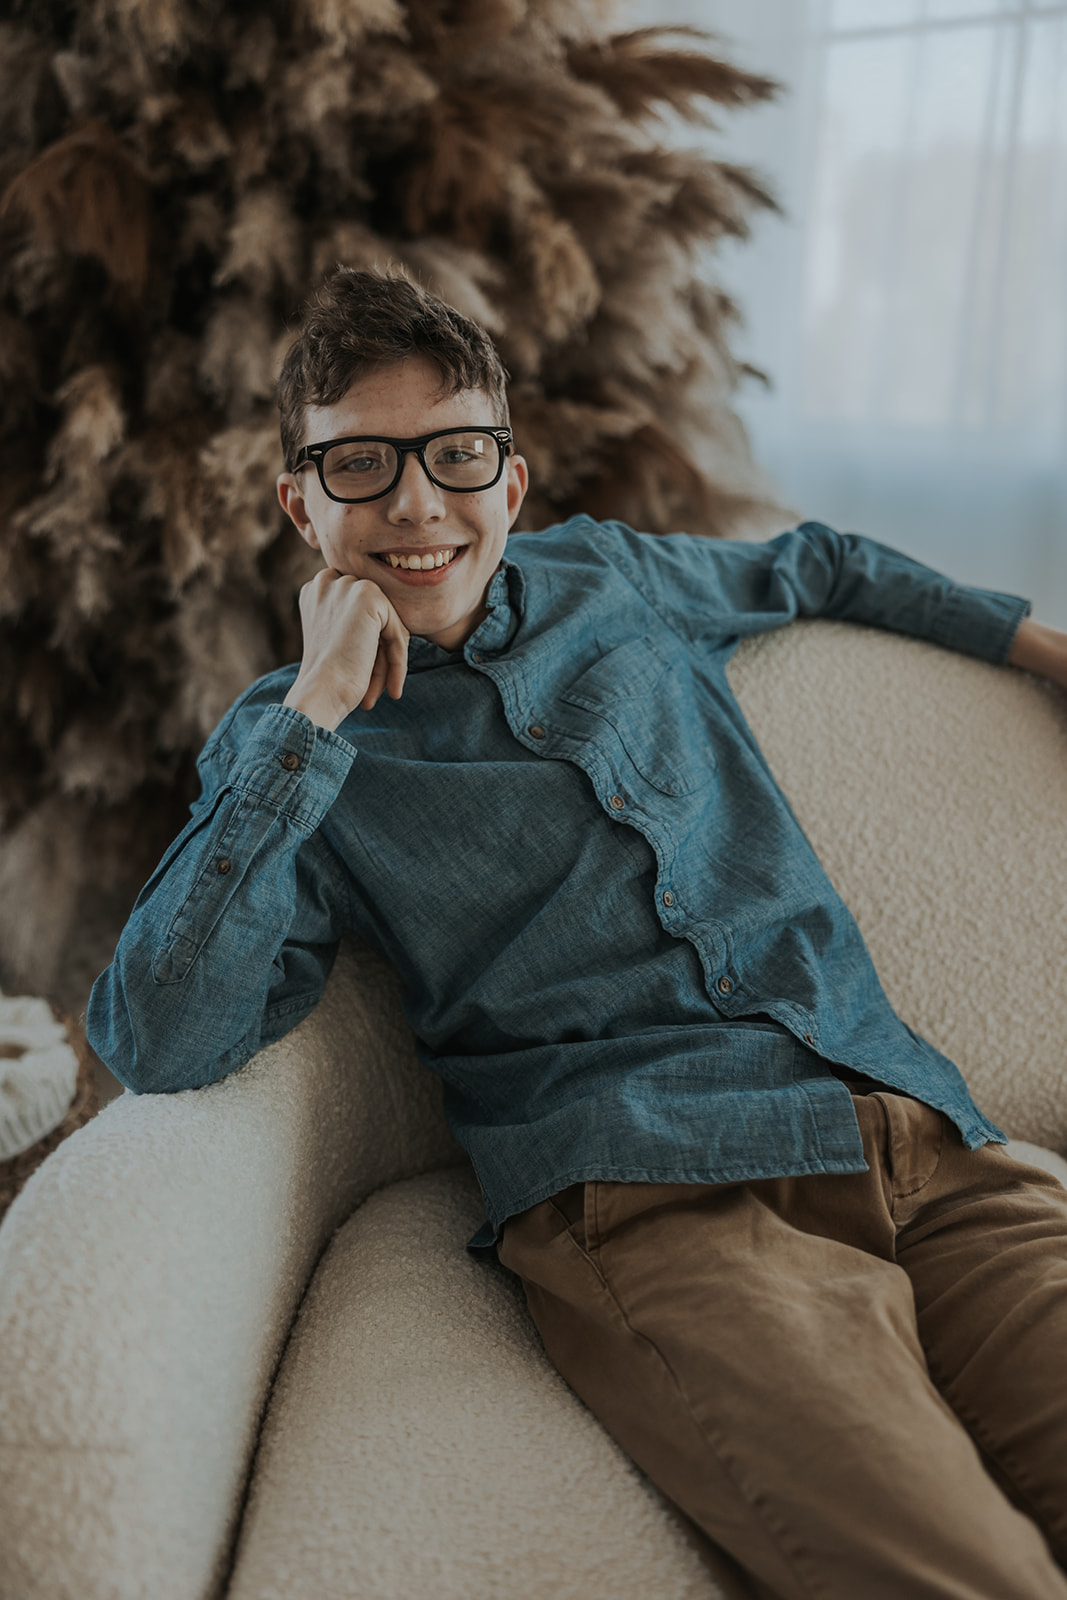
616, 945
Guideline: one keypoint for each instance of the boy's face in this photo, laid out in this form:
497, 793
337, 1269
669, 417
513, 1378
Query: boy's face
445, 603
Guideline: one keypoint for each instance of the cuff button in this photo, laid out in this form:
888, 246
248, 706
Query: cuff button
290, 761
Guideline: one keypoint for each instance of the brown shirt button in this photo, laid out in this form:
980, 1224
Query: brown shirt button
809, 1038
617, 803
290, 761
724, 985
536, 731
668, 899
224, 867
479, 659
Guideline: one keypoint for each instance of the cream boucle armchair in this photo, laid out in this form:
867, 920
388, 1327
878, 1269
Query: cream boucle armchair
242, 1350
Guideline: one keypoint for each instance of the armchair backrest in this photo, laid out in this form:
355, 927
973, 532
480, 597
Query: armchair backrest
934, 789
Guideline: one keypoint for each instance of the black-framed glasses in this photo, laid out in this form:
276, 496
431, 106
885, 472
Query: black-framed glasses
366, 467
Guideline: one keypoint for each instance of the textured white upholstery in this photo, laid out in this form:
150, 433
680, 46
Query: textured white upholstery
416, 1444
934, 789
512, 1490
149, 1274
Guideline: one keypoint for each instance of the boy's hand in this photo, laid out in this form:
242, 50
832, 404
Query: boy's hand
355, 645
1039, 648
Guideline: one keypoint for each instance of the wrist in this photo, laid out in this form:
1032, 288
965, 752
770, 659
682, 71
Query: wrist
1041, 649
318, 701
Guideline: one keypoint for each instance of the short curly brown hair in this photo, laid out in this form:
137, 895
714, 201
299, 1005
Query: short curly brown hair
359, 320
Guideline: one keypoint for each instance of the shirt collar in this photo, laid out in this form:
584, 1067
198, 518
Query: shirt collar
505, 601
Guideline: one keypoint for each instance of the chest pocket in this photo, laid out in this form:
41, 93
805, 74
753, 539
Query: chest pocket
646, 696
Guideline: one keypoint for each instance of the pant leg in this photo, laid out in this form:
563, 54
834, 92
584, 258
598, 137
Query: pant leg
984, 1243
769, 1377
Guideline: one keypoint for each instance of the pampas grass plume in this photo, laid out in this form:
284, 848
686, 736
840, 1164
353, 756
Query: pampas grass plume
176, 177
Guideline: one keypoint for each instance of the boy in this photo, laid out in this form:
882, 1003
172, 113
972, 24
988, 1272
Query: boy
763, 1230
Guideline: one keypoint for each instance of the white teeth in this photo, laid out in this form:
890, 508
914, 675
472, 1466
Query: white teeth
432, 558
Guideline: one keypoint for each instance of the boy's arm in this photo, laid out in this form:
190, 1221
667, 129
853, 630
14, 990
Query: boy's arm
1041, 649
718, 592
232, 939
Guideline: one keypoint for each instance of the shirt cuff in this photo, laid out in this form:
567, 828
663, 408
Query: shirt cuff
290, 764
980, 622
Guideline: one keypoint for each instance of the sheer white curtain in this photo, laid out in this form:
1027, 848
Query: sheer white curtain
911, 308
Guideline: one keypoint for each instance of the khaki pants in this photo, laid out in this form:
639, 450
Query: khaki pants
855, 1385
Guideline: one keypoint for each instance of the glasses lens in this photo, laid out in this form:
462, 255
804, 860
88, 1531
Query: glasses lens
465, 459
358, 468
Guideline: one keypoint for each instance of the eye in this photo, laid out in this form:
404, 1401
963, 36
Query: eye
356, 462
460, 450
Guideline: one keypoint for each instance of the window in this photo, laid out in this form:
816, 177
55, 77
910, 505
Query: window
912, 308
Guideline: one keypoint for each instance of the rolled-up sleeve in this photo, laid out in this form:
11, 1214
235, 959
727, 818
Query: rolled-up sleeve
717, 589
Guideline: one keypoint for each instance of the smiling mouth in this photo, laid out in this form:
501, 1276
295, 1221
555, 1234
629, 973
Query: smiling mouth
424, 561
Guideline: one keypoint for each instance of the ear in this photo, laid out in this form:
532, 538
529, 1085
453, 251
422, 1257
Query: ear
295, 508
518, 482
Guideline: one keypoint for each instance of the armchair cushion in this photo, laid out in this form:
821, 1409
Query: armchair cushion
420, 1443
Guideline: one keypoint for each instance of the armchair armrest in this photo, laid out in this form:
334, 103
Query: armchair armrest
149, 1274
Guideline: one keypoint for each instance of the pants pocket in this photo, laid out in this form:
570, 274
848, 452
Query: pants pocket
915, 1139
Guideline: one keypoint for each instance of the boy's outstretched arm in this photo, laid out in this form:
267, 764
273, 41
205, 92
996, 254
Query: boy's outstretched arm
720, 592
1041, 649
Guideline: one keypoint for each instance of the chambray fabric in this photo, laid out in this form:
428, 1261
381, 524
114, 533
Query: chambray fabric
615, 944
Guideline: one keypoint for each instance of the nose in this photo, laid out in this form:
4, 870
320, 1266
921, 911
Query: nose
416, 497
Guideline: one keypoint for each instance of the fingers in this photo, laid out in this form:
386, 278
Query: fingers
390, 664
355, 645
395, 641
376, 683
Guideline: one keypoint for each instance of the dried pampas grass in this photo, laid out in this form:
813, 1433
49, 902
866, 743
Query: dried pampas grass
94, 423
642, 78
42, 868
464, 278
225, 644
237, 365
174, 180
264, 249
345, 26
150, 30
86, 195
389, 85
